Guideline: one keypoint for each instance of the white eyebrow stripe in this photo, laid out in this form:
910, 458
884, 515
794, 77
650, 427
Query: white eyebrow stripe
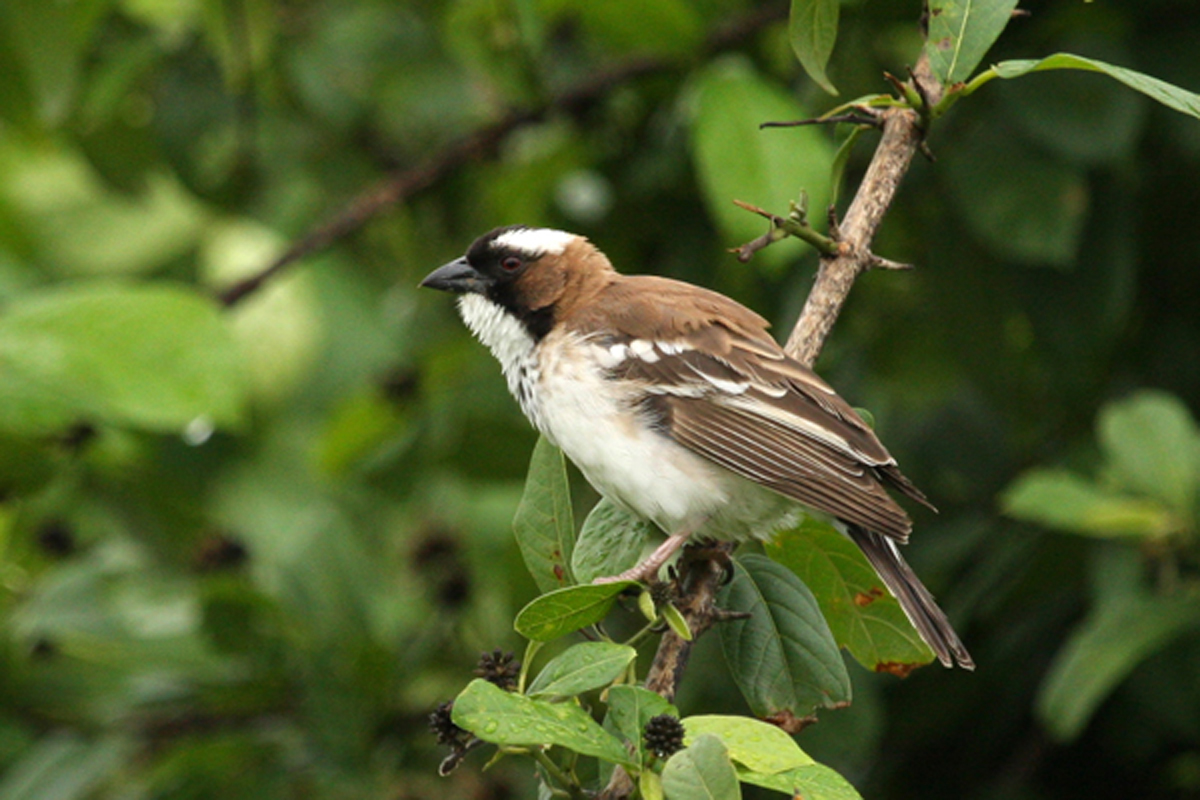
534, 241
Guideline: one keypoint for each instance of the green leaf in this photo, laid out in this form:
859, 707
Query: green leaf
1169, 95
1104, 649
152, 356
862, 614
544, 523
631, 707
650, 785
611, 541
565, 610
1153, 448
505, 718
960, 33
783, 657
811, 782
675, 619
756, 745
702, 771
812, 30
1058, 499
737, 161
582, 667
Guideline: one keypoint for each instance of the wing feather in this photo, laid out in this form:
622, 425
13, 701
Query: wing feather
742, 403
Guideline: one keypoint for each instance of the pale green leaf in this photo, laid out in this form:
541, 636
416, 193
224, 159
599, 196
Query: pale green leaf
610, 542
506, 718
158, 356
544, 523
810, 782
1059, 499
650, 785
756, 745
1153, 448
1169, 95
861, 612
812, 31
737, 161
581, 668
678, 623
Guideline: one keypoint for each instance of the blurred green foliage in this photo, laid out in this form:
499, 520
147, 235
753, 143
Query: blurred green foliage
245, 552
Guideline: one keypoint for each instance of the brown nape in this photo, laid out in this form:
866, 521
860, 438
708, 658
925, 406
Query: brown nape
662, 309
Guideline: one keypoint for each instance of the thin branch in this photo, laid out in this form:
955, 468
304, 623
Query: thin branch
782, 227
901, 139
861, 116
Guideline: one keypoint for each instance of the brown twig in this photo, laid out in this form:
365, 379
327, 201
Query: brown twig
864, 117
902, 137
701, 573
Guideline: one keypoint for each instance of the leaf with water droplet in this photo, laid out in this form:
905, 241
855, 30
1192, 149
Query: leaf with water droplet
507, 718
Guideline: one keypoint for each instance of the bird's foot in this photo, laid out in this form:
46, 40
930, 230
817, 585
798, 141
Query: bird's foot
649, 567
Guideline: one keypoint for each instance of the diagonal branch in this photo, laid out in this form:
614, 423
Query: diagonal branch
903, 135
836, 274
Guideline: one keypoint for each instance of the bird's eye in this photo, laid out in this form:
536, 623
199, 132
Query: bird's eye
510, 263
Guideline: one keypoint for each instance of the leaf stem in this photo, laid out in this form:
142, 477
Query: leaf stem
569, 788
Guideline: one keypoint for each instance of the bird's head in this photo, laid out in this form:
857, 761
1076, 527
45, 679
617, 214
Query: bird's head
533, 274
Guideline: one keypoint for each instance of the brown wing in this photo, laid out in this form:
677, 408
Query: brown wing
722, 387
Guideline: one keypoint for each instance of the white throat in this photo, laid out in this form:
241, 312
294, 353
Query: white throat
510, 343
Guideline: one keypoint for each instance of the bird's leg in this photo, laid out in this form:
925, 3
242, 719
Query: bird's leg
649, 566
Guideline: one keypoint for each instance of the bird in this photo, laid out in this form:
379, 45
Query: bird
676, 403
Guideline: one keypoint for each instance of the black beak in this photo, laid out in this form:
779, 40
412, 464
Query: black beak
458, 276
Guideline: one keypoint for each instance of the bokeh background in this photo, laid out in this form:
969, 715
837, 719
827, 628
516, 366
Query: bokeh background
259, 584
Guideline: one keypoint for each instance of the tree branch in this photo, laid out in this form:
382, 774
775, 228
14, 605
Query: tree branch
903, 136
836, 274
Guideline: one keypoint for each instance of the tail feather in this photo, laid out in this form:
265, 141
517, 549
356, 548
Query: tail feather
918, 604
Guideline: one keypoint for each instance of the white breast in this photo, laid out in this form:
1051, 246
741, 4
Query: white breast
512, 346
